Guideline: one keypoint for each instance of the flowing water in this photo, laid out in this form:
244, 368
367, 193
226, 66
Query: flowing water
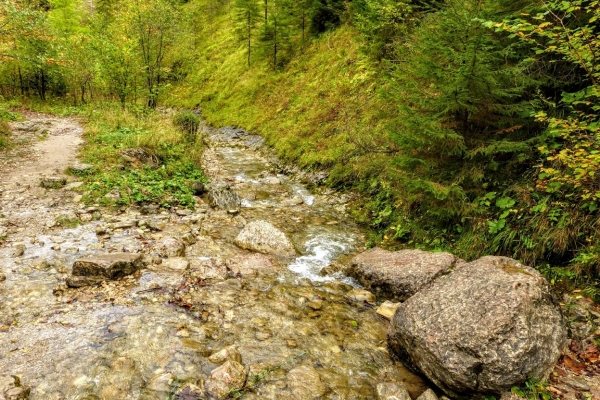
150, 334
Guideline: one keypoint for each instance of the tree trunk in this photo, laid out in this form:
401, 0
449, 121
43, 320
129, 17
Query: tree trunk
21, 82
249, 33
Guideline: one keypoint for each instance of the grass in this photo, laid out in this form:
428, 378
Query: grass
110, 129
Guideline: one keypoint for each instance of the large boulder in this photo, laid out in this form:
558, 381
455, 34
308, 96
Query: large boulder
263, 237
486, 327
92, 270
399, 275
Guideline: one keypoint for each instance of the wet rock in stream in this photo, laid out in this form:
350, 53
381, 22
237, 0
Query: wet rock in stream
263, 237
169, 247
11, 388
305, 383
92, 270
229, 376
392, 391
224, 199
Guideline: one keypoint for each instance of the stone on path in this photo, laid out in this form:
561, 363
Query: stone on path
263, 237
53, 182
399, 275
486, 327
90, 270
79, 169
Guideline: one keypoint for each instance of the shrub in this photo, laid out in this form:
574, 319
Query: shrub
189, 123
5, 133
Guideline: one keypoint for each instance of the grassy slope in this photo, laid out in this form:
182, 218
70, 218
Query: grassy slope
321, 111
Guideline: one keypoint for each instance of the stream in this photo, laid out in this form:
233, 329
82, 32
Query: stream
149, 335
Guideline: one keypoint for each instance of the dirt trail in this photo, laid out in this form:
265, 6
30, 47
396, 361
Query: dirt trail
55, 145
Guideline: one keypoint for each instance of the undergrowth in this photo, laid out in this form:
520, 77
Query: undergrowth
111, 129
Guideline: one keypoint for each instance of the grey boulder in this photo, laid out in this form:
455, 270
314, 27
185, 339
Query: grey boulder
486, 327
399, 275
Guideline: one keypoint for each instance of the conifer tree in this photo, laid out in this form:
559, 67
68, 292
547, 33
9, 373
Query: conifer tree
248, 16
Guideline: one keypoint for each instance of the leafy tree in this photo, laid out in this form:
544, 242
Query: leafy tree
73, 45
563, 35
326, 14
153, 25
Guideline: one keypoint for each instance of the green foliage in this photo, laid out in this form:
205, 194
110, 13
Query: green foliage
111, 129
533, 390
67, 222
168, 185
325, 14
189, 123
5, 133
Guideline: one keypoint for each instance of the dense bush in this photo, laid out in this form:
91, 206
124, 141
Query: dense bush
189, 123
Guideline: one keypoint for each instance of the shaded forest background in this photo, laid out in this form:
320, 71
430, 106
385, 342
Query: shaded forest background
467, 125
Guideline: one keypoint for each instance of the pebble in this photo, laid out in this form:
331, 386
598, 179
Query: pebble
361, 296
315, 304
228, 353
387, 309
183, 333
